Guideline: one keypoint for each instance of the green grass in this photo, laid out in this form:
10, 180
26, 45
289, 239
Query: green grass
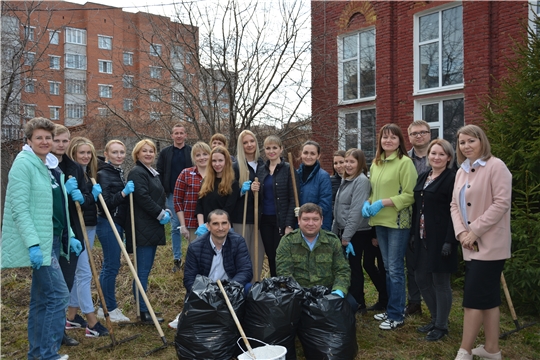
166, 294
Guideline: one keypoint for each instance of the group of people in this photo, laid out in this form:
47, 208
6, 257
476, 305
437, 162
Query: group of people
409, 205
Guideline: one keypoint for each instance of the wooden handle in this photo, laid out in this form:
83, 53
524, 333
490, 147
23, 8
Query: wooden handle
246, 195
293, 176
508, 298
235, 318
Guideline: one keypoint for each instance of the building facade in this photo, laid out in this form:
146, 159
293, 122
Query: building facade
81, 64
377, 62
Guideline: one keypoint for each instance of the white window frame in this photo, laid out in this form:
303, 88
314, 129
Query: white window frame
127, 105
56, 63
78, 59
30, 33
30, 85
359, 99
78, 110
155, 49
105, 66
358, 130
103, 112
129, 57
105, 91
30, 110
128, 81
155, 116
155, 95
75, 36
155, 72
439, 125
75, 86
416, 51
54, 87
54, 112
30, 58
534, 11
103, 43
54, 37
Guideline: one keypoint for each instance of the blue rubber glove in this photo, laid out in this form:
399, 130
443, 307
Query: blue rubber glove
77, 195
75, 246
96, 190
130, 187
375, 207
365, 209
165, 219
36, 257
339, 293
201, 230
245, 187
71, 185
349, 249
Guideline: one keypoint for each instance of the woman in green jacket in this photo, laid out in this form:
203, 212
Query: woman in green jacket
393, 177
36, 233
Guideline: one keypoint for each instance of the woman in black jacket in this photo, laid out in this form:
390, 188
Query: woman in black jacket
339, 171
115, 191
434, 243
277, 199
150, 215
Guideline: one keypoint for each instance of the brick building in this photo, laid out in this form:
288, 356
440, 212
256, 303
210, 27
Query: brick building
79, 64
375, 62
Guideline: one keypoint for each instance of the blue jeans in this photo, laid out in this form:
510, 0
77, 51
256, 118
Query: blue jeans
145, 261
111, 260
393, 244
49, 298
81, 294
175, 232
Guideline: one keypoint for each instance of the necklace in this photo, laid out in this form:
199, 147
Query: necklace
432, 177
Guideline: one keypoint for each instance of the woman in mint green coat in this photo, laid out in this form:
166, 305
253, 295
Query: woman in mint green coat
35, 232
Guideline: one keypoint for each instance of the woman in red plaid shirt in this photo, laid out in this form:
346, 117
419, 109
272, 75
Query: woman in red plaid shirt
186, 190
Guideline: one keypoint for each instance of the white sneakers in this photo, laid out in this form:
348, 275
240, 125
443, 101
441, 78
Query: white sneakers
63, 357
174, 324
390, 324
462, 354
381, 316
480, 351
115, 315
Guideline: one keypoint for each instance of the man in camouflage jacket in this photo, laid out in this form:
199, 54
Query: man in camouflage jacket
313, 256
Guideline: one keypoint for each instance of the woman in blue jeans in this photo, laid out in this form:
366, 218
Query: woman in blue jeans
115, 191
35, 236
393, 177
150, 214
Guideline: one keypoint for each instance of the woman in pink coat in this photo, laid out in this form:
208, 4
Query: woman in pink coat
480, 210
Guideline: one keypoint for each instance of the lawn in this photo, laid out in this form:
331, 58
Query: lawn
166, 294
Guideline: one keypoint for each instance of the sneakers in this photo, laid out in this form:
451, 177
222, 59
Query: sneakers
177, 265
381, 316
116, 315
77, 323
413, 308
390, 324
97, 331
63, 357
174, 324
480, 351
462, 354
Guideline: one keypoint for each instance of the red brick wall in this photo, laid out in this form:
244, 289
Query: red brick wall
489, 30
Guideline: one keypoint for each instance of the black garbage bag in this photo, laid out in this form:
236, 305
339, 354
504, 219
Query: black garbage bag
206, 329
273, 308
327, 327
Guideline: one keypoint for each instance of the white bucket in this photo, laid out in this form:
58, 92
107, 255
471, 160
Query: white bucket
266, 352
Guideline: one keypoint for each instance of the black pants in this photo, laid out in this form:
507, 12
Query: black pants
270, 237
374, 266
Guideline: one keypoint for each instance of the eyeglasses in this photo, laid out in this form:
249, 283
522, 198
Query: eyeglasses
421, 133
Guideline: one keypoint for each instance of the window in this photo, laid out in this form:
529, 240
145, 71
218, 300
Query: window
105, 66
30, 111
30, 58
75, 111
439, 50
358, 130
105, 42
54, 37
105, 91
54, 87
54, 62
357, 66
75, 61
128, 58
155, 116
155, 49
74, 86
76, 36
29, 33
534, 12
54, 112
155, 72
29, 85
128, 104
103, 112
128, 81
155, 95
176, 96
444, 116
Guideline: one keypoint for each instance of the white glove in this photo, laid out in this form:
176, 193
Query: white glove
296, 211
